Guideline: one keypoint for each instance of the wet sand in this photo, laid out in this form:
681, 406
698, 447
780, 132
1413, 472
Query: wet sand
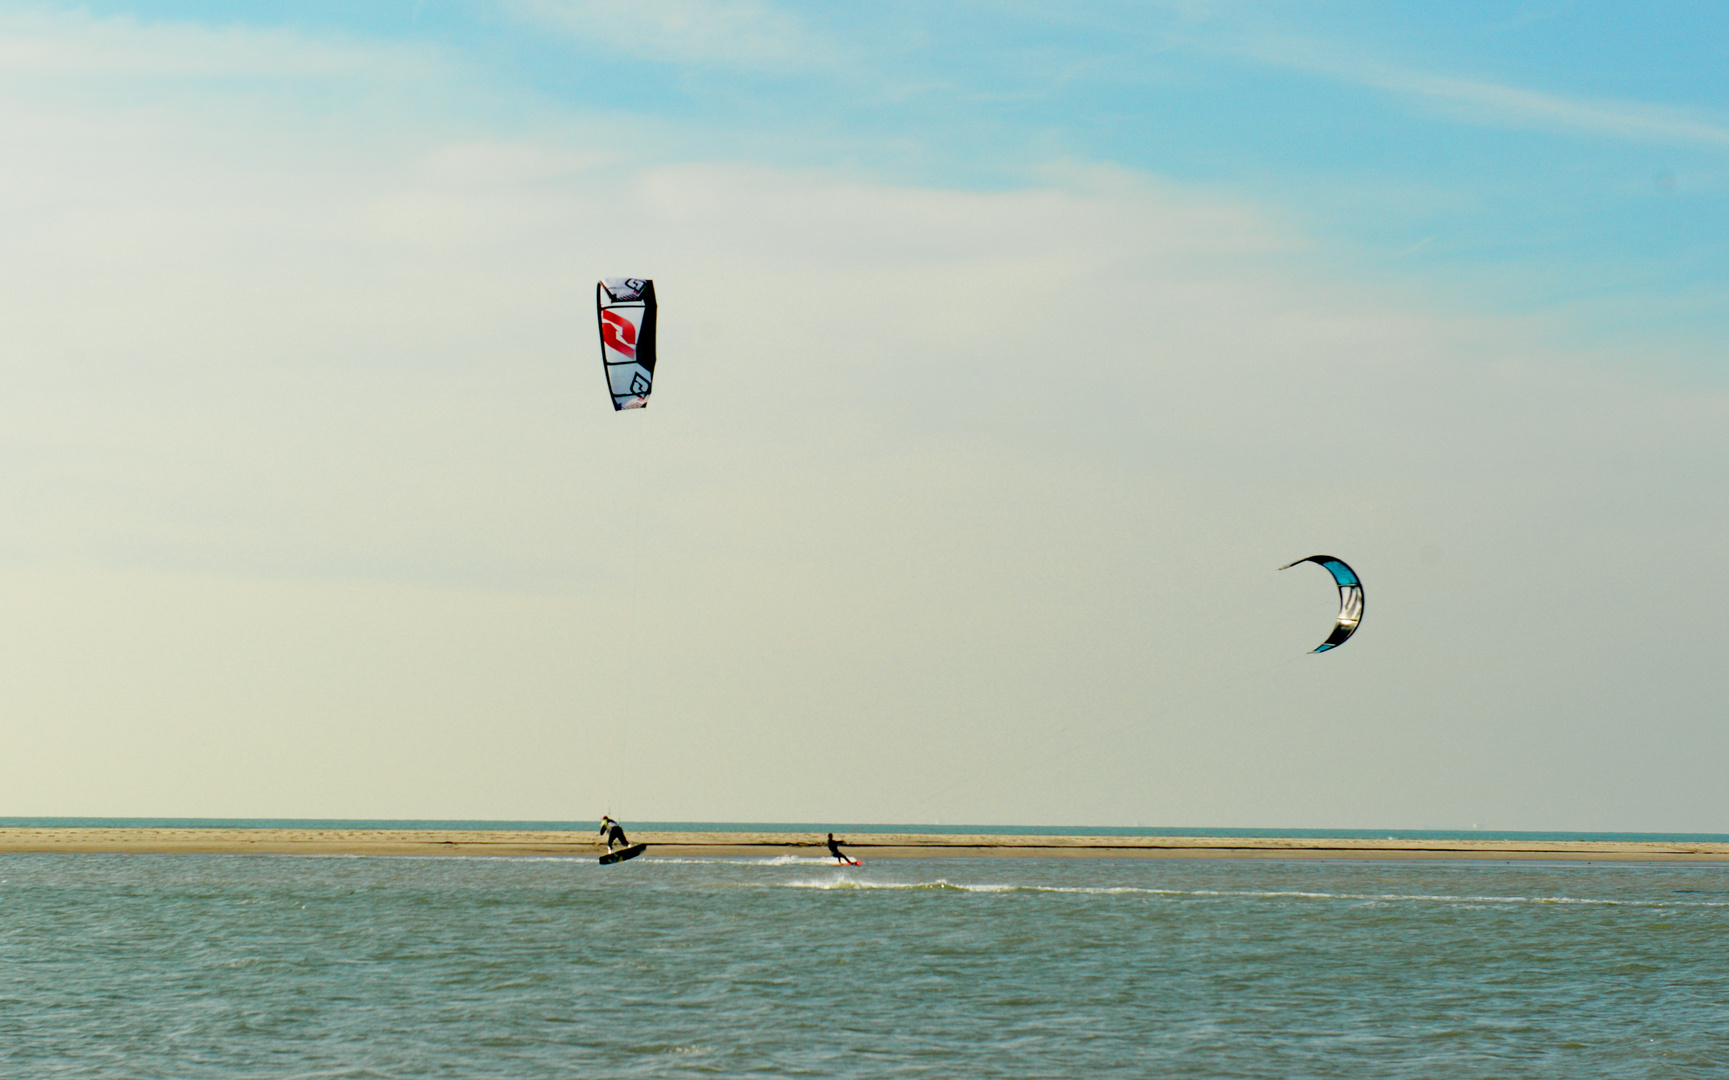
866, 845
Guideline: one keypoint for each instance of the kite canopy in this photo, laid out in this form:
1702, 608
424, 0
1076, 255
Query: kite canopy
1350, 599
625, 307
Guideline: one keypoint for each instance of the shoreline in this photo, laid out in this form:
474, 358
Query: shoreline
205, 841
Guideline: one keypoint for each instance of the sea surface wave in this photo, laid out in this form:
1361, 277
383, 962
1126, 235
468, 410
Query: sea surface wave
242, 966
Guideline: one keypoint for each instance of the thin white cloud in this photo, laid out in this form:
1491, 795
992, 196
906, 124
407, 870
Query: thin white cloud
43, 44
1489, 103
725, 33
1513, 106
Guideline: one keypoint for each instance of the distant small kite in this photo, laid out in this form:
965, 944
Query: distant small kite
1350, 599
626, 308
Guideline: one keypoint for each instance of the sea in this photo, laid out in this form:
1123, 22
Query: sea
293, 966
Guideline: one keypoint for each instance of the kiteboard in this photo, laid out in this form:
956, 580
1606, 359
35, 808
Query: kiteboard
844, 861
622, 854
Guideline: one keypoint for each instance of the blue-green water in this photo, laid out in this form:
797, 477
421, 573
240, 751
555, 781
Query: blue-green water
193, 966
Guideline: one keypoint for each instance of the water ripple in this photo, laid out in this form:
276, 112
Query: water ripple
302, 966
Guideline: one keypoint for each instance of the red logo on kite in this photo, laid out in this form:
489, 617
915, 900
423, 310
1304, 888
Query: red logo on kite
618, 334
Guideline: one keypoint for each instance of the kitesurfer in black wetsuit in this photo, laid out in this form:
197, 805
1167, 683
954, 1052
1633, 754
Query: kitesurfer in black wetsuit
614, 833
834, 849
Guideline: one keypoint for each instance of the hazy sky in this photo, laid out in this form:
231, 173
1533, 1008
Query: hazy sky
1006, 349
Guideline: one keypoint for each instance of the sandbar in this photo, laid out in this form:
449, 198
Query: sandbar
165, 841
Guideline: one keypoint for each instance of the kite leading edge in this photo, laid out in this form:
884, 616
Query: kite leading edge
1350, 599
626, 310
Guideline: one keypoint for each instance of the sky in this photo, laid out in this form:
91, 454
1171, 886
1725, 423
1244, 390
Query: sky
1006, 349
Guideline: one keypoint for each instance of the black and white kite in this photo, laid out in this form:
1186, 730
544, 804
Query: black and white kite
625, 307
1350, 599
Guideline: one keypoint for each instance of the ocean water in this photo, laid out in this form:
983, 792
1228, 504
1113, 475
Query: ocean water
192, 966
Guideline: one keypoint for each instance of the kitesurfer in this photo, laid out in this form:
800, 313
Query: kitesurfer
834, 849
613, 832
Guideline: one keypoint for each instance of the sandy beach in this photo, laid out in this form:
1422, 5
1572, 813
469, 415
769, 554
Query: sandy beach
869, 845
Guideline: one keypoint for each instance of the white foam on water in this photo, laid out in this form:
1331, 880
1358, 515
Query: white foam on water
944, 885
767, 860
1442, 898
